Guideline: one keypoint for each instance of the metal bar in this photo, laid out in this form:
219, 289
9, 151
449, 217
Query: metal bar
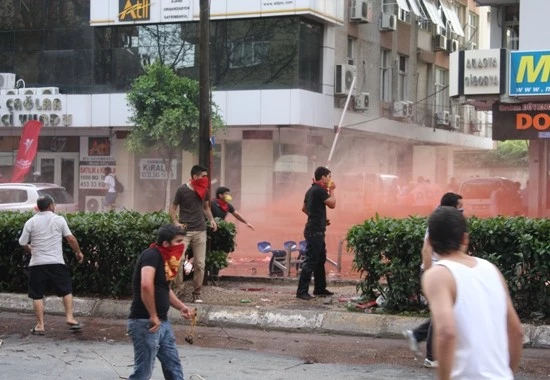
288, 259
341, 121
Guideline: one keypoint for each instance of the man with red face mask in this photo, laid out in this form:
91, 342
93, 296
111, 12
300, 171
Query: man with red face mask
192, 200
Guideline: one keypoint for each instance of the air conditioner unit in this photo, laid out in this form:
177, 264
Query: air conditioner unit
361, 11
7, 80
453, 46
440, 42
9, 92
388, 22
471, 45
400, 109
27, 91
455, 122
49, 90
442, 118
94, 203
409, 108
362, 101
440, 30
344, 78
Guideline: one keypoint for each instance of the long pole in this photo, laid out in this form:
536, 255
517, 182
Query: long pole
341, 121
204, 85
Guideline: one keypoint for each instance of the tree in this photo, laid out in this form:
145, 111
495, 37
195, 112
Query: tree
165, 116
508, 153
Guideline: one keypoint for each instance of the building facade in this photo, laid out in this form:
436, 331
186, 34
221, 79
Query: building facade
282, 73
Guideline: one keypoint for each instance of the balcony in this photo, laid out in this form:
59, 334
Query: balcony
483, 3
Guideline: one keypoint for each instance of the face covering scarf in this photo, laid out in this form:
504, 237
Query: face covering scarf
172, 258
201, 186
223, 204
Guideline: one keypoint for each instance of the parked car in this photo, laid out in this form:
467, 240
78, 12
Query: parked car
490, 196
22, 196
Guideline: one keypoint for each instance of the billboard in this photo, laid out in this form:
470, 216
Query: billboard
521, 121
529, 73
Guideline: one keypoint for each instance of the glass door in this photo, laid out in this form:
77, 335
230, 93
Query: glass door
58, 168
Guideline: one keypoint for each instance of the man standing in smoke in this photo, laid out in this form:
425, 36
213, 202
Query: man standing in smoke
317, 198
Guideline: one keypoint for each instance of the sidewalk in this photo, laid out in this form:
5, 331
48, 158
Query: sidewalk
266, 303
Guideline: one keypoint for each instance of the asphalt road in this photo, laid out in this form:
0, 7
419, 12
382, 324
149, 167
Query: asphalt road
103, 351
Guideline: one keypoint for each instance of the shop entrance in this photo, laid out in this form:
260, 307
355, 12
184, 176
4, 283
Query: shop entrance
58, 168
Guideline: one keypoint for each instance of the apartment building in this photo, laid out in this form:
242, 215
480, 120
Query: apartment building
282, 73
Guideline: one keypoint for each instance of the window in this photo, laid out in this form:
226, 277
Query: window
441, 89
399, 8
472, 28
351, 50
421, 18
402, 93
385, 75
247, 53
511, 28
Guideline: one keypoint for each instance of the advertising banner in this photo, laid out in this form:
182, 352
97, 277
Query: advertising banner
95, 155
154, 168
28, 145
526, 121
529, 73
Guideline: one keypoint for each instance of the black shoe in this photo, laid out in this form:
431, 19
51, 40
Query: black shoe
305, 296
323, 293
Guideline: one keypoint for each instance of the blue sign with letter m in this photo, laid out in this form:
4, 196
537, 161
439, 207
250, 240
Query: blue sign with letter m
529, 73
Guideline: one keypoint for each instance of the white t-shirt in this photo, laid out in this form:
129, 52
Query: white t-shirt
480, 313
110, 182
45, 232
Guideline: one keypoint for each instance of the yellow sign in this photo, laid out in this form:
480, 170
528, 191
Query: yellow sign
134, 10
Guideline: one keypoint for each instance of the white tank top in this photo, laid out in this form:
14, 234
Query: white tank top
480, 316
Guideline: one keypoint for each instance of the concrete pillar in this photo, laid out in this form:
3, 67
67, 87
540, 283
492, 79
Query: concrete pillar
424, 162
537, 179
444, 165
257, 173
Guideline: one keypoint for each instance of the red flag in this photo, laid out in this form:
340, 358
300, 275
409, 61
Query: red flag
28, 145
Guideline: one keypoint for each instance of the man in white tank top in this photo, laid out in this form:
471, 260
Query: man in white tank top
478, 334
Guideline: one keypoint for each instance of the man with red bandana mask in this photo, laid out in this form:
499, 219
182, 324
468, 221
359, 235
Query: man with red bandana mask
192, 200
221, 206
318, 197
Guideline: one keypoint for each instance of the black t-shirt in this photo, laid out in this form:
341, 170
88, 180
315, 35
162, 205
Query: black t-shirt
151, 257
218, 212
190, 208
316, 209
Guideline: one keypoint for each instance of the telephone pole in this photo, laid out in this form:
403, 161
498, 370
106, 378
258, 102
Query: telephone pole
204, 85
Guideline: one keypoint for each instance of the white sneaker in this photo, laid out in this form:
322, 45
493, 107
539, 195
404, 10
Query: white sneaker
430, 363
197, 298
413, 343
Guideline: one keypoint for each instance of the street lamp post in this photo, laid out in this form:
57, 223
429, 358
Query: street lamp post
204, 85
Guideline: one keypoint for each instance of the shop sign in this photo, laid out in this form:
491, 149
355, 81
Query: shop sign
482, 70
91, 176
154, 168
526, 121
529, 73
50, 110
134, 10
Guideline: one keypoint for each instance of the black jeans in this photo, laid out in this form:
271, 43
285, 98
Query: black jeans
424, 333
316, 256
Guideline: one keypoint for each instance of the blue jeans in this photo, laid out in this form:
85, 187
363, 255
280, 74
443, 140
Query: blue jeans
148, 346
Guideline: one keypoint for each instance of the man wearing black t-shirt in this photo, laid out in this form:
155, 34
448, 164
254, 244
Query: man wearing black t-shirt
221, 206
148, 324
317, 198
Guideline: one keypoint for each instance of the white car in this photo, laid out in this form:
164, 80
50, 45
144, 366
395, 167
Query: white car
22, 197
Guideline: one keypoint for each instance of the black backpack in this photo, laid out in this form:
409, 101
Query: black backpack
119, 187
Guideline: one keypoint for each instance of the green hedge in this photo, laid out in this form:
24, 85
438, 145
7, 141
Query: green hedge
388, 254
111, 242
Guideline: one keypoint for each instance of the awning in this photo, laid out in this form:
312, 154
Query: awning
452, 17
433, 13
403, 5
417, 8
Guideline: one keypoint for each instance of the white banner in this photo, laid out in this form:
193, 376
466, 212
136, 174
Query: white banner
91, 176
154, 168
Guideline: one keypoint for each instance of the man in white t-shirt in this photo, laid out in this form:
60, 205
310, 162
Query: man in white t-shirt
42, 237
110, 196
477, 332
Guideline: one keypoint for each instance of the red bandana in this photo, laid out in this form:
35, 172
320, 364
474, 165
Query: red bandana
172, 258
322, 184
201, 186
223, 204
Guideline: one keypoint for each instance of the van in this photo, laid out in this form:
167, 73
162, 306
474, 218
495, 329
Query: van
481, 197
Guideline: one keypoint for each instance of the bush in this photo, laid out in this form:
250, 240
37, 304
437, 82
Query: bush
388, 254
111, 243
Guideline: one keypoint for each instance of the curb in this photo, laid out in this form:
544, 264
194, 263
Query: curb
325, 322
